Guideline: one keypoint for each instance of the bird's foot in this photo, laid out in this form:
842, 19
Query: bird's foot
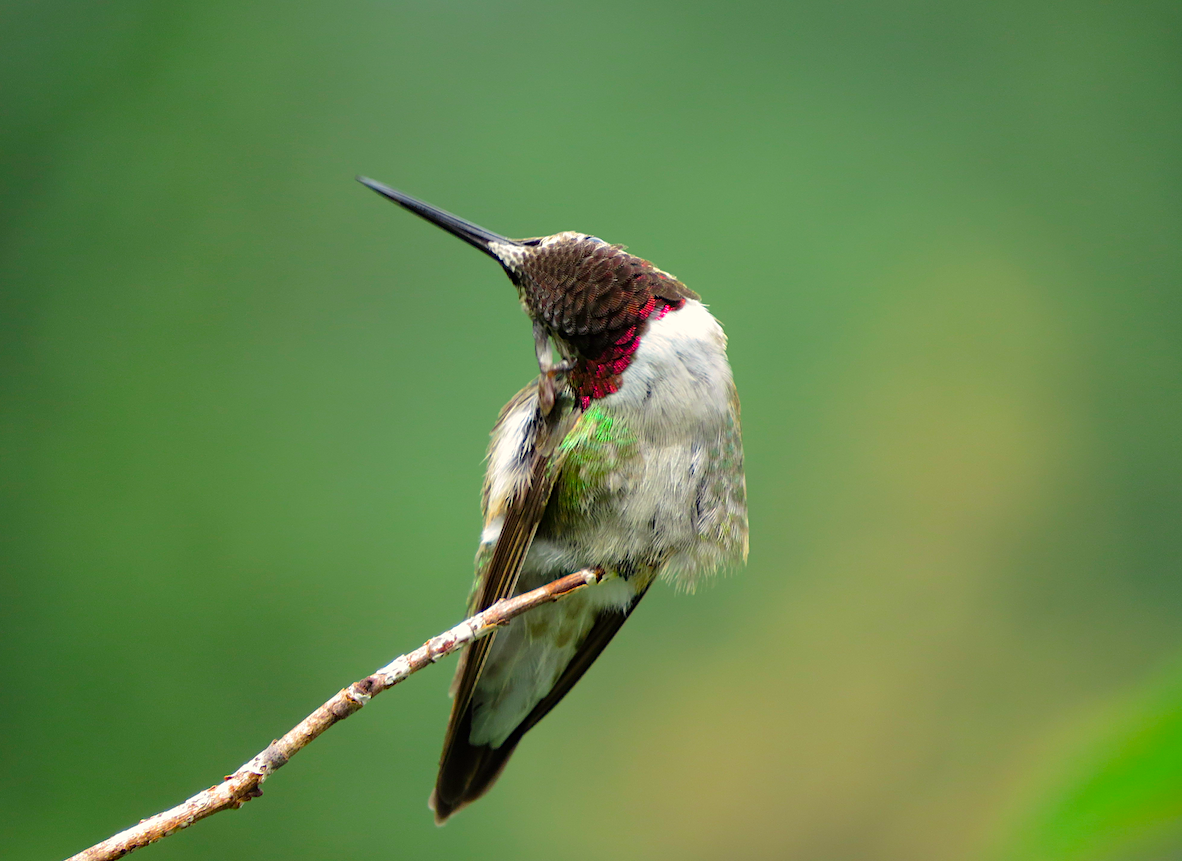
552, 375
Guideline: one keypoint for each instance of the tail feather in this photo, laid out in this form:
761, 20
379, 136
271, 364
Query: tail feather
467, 771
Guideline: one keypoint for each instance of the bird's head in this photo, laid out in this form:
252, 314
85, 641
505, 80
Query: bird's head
594, 299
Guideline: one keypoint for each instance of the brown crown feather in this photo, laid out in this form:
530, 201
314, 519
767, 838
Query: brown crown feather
595, 297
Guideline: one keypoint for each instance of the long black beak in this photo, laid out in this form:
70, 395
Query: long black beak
466, 230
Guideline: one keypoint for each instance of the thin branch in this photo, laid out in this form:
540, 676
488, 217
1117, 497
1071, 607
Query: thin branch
245, 783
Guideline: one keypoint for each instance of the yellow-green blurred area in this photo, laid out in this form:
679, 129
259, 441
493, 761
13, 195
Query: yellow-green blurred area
244, 403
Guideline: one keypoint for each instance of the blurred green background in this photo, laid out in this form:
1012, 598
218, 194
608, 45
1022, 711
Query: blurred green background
244, 404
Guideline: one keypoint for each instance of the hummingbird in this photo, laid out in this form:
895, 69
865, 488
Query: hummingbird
623, 455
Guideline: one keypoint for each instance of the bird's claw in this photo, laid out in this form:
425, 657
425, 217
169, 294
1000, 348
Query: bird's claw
552, 374
563, 367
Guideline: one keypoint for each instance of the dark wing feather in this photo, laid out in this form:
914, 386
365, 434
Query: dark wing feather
500, 579
517, 533
483, 764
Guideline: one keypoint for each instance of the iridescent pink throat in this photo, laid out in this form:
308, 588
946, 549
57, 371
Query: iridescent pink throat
597, 378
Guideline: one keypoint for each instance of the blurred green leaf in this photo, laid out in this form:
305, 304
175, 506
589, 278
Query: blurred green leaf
1119, 798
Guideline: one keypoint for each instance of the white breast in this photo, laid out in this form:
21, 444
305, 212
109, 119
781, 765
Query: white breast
682, 499
679, 379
